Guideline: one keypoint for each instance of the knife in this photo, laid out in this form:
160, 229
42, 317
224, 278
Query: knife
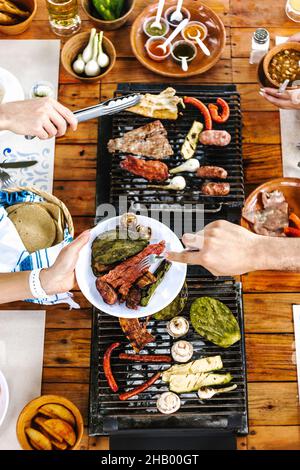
24, 164
111, 106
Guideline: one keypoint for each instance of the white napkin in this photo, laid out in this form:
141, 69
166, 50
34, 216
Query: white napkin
21, 361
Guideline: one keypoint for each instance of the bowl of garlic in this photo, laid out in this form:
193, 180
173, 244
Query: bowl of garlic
88, 56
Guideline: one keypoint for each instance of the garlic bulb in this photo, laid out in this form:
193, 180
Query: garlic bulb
168, 403
182, 351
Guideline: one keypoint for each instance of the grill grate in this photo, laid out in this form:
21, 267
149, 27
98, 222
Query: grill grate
114, 182
109, 415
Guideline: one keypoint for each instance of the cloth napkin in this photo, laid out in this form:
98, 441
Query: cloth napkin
13, 254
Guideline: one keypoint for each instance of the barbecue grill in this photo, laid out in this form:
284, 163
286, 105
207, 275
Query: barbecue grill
113, 182
223, 415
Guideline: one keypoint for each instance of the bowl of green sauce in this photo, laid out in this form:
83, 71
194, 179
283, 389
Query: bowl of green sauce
151, 31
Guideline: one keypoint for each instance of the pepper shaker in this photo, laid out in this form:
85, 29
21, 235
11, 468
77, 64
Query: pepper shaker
260, 45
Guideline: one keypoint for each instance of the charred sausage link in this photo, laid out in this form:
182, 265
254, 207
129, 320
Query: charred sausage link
217, 138
212, 172
145, 357
107, 367
216, 189
140, 388
108, 294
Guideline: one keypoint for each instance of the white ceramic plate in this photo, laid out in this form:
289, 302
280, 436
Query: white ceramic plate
164, 294
4, 397
13, 90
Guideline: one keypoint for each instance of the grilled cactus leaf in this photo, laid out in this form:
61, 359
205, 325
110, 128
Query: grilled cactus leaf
205, 364
112, 247
192, 382
214, 321
175, 307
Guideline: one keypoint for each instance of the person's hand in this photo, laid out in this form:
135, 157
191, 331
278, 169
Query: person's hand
226, 249
289, 99
42, 117
61, 276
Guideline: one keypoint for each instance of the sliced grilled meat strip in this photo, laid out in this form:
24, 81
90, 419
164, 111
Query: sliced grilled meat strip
148, 169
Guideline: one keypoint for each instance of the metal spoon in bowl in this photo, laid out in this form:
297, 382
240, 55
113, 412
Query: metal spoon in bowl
177, 15
157, 23
199, 42
176, 31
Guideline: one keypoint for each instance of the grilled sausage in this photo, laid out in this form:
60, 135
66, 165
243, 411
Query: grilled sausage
108, 294
145, 357
216, 189
107, 367
218, 138
140, 388
212, 172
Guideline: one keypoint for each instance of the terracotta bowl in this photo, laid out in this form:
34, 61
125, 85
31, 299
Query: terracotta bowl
269, 56
290, 187
31, 409
215, 41
75, 45
107, 25
12, 30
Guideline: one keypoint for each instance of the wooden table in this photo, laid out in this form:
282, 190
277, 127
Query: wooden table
268, 297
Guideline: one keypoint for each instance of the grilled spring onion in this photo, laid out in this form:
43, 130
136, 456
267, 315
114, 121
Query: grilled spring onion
191, 166
190, 143
206, 393
159, 274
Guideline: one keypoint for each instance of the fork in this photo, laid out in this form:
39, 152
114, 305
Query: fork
5, 179
152, 259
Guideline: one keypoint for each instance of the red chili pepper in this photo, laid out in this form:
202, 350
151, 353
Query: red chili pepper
295, 219
140, 388
145, 357
107, 368
203, 110
292, 232
214, 111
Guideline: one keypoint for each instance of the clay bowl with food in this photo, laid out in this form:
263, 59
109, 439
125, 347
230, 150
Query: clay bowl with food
50, 422
75, 46
22, 22
287, 56
108, 25
290, 187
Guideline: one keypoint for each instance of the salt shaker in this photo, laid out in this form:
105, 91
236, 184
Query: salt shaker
260, 45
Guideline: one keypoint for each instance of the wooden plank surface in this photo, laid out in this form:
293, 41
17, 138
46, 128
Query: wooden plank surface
268, 297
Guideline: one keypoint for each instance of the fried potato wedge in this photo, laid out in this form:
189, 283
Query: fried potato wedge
38, 440
58, 427
54, 410
41, 422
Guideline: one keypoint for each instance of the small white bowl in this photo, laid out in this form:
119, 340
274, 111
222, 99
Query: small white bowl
180, 42
191, 23
151, 20
170, 10
152, 56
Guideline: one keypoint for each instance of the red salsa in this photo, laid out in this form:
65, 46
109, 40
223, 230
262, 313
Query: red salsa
155, 50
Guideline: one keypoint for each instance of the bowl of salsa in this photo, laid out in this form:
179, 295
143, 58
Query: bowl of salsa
155, 52
194, 28
169, 11
151, 31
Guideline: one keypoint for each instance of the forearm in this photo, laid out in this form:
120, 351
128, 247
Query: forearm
278, 254
3, 118
14, 286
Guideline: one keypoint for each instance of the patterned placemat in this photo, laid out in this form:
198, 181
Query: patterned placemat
37, 60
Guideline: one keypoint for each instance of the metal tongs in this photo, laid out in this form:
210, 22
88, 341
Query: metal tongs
111, 106
108, 107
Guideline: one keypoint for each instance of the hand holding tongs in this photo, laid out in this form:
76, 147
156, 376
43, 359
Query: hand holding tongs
111, 106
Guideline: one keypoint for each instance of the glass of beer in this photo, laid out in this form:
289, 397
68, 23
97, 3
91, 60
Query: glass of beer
293, 10
63, 16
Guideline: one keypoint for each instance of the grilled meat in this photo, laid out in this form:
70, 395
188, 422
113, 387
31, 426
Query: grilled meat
108, 294
216, 189
133, 298
211, 172
148, 169
218, 138
149, 140
136, 333
146, 279
125, 274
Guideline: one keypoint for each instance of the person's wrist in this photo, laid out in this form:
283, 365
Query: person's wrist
4, 122
264, 253
49, 282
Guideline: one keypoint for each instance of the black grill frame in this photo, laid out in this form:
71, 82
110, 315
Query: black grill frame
110, 175
108, 415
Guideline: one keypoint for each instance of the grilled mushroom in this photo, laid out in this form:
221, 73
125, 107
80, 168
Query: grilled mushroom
177, 327
182, 351
168, 403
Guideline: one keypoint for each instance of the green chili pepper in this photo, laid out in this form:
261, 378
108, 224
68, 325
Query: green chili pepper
104, 9
159, 274
117, 7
